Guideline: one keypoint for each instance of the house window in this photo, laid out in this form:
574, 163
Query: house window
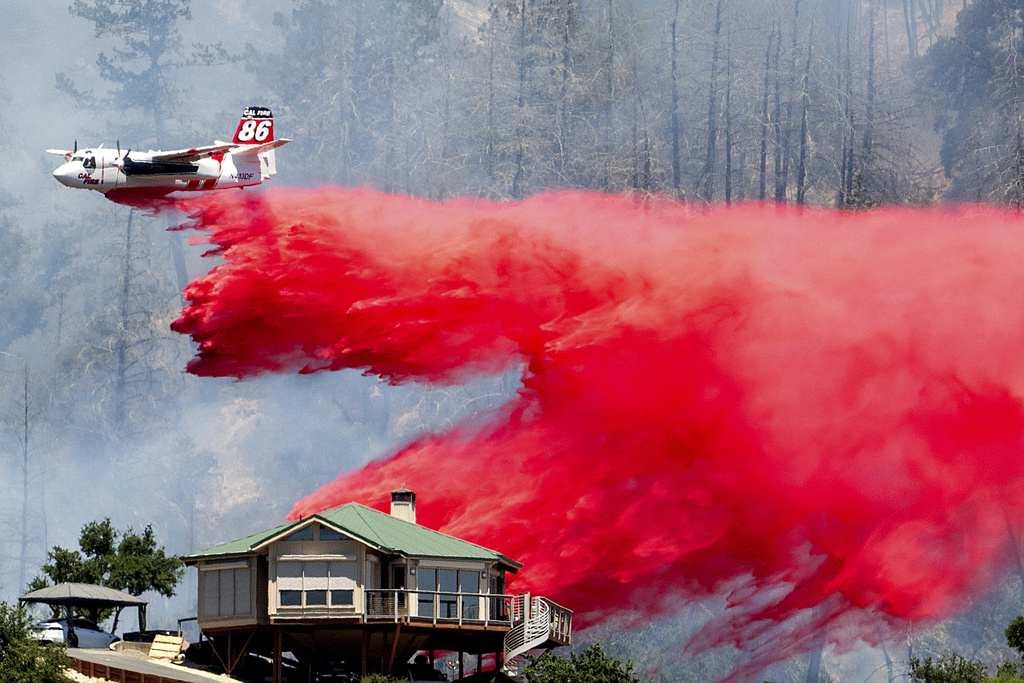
316, 583
226, 591
315, 532
304, 534
444, 590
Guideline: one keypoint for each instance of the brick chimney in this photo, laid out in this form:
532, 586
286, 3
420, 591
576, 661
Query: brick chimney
403, 505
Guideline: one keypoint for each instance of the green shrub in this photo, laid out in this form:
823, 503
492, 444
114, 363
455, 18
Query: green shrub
24, 659
382, 678
592, 666
951, 667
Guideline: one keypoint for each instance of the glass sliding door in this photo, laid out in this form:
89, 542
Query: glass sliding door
448, 593
448, 601
426, 580
469, 582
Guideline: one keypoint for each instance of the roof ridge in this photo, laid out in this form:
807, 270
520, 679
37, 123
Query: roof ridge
358, 509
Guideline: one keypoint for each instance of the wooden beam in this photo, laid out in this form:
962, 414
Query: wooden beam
363, 654
241, 654
394, 648
213, 649
276, 675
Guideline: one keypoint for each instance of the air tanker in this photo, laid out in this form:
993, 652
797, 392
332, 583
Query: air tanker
245, 161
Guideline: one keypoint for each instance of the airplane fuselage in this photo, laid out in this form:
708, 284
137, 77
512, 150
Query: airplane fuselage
97, 169
247, 160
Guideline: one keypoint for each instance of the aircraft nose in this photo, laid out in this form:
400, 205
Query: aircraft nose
64, 174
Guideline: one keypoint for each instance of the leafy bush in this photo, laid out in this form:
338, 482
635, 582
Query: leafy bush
592, 666
24, 659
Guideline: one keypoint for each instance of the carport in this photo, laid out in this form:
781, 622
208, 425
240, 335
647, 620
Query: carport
71, 595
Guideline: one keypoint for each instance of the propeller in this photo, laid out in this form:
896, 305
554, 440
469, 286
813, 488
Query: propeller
121, 158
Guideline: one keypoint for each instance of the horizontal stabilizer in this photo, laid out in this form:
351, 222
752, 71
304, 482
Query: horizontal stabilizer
250, 150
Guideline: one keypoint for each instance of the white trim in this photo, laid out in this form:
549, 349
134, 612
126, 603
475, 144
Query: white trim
217, 566
314, 519
431, 563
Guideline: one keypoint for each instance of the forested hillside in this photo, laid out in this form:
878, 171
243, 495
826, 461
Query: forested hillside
719, 100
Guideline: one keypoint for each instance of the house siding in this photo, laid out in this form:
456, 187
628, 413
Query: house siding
228, 594
303, 569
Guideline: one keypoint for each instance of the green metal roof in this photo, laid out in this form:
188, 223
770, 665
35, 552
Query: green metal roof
374, 528
241, 546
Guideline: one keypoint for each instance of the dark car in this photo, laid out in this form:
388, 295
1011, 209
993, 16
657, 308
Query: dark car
146, 636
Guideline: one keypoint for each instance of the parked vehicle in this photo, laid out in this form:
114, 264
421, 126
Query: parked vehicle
146, 636
86, 634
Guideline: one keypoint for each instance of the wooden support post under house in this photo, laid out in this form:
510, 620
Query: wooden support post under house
276, 675
362, 655
394, 648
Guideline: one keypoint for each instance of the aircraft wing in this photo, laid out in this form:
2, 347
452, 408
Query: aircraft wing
66, 153
192, 155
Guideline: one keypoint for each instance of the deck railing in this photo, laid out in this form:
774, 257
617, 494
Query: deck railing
561, 622
394, 604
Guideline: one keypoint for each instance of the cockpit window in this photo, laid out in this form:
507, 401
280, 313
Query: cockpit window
90, 162
77, 158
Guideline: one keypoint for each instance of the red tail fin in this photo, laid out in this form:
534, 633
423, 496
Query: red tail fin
255, 127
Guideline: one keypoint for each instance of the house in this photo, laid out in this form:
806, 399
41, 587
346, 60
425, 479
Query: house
368, 589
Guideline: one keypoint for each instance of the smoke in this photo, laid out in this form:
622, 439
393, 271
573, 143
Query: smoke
816, 414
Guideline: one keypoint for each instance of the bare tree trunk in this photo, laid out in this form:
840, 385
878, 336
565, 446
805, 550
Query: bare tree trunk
814, 661
890, 669
805, 103
517, 180
929, 22
728, 120
885, 34
609, 66
25, 424
562, 157
911, 25
850, 114
869, 117
641, 148
780, 181
788, 125
708, 173
446, 144
489, 149
121, 405
676, 159
765, 122
175, 238
1017, 186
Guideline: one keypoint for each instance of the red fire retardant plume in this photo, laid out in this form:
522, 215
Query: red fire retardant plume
816, 414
